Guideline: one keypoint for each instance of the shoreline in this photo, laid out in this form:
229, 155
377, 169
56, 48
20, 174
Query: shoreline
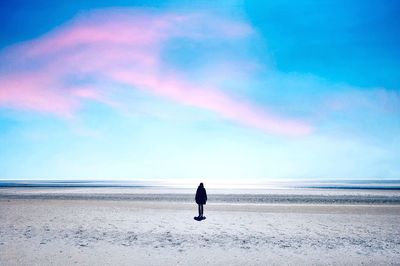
301, 208
290, 199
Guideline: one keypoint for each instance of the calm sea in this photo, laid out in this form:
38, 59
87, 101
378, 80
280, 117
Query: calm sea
286, 192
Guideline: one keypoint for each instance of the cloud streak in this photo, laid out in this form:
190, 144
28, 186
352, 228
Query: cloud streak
57, 72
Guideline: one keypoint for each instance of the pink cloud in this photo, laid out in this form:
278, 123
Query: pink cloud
214, 100
125, 47
34, 91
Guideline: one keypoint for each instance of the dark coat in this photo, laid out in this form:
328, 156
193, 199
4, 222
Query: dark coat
201, 195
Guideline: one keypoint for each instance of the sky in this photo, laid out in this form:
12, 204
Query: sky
146, 90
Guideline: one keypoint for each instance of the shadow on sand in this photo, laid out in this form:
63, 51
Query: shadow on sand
197, 218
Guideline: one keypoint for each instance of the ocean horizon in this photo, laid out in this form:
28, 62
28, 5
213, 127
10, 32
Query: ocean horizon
388, 184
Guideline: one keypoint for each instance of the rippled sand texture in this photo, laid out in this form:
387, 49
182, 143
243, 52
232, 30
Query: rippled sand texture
105, 232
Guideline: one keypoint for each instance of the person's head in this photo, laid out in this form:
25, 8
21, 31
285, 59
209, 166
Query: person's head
201, 185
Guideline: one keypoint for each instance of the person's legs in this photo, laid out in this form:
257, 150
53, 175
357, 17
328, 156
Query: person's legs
201, 210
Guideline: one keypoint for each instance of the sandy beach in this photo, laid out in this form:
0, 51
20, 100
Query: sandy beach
121, 121
35, 231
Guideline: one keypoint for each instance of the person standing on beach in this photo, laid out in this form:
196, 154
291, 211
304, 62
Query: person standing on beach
201, 199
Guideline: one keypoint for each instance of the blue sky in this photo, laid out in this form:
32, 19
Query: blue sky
184, 89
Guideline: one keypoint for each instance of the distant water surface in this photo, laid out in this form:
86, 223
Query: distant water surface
327, 184
305, 192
